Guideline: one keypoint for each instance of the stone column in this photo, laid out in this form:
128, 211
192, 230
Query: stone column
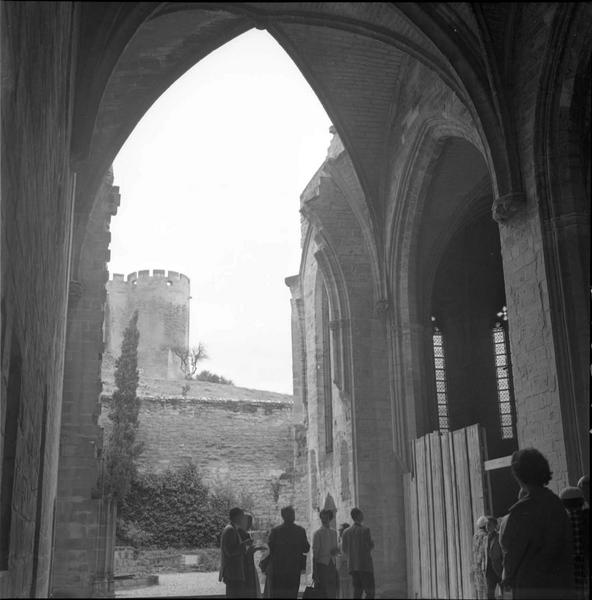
540, 420
567, 247
78, 512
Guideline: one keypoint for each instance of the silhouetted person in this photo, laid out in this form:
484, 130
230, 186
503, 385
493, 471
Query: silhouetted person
479, 558
345, 589
357, 544
535, 537
324, 550
232, 555
287, 547
573, 501
494, 566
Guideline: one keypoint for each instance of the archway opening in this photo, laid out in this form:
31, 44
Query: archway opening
466, 350
206, 232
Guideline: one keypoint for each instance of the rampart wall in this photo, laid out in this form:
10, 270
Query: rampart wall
246, 445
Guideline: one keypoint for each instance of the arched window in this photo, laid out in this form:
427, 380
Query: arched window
327, 372
440, 376
503, 373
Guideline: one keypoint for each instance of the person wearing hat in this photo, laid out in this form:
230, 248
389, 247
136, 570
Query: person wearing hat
479, 563
573, 500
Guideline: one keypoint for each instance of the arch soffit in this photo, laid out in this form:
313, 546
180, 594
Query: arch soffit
331, 260
108, 137
351, 190
328, 269
462, 43
568, 59
417, 172
405, 224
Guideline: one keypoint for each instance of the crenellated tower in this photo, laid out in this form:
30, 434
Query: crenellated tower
162, 300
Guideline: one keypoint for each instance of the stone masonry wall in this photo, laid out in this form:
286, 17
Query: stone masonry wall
79, 560
245, 445
36, 217
162, 301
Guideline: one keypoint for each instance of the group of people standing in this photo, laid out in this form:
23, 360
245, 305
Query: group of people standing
286, 560
541, 548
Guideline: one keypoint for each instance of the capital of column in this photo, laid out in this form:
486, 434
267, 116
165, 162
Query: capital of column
506, 206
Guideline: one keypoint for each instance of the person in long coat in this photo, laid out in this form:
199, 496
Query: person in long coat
357, 545
535, 536
288, 546
232, 556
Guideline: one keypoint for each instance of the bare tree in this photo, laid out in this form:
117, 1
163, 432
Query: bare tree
190, 357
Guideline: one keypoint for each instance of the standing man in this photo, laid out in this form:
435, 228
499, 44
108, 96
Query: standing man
232, 559
287, 548
357, 544
324, 550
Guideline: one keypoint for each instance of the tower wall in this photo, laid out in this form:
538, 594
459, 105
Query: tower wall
162, 301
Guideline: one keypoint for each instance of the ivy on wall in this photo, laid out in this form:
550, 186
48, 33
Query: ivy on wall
173, 509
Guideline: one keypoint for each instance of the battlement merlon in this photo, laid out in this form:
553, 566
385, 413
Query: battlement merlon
146, 274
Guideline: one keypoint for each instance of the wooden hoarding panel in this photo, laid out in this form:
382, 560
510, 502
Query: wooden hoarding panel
423, 508
465, 511
440, 517
474, 434
451, 516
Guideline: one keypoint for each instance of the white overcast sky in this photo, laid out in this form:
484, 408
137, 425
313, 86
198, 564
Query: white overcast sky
210, 181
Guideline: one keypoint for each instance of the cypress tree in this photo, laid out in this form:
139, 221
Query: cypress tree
122, 449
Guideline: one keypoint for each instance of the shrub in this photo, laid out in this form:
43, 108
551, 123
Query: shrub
129, 534
176, 509
213, 378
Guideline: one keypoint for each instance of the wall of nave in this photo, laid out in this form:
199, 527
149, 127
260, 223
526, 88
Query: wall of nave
343, 356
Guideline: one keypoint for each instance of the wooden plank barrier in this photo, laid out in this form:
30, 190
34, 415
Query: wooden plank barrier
445, 493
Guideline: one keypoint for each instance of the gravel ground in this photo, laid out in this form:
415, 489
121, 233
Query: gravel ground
184, 584
178, 584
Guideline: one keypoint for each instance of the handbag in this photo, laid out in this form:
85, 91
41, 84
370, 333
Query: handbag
302, 559
311, 592
264, 563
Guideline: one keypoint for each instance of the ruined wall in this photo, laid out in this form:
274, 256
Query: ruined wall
162, 301
244, 444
